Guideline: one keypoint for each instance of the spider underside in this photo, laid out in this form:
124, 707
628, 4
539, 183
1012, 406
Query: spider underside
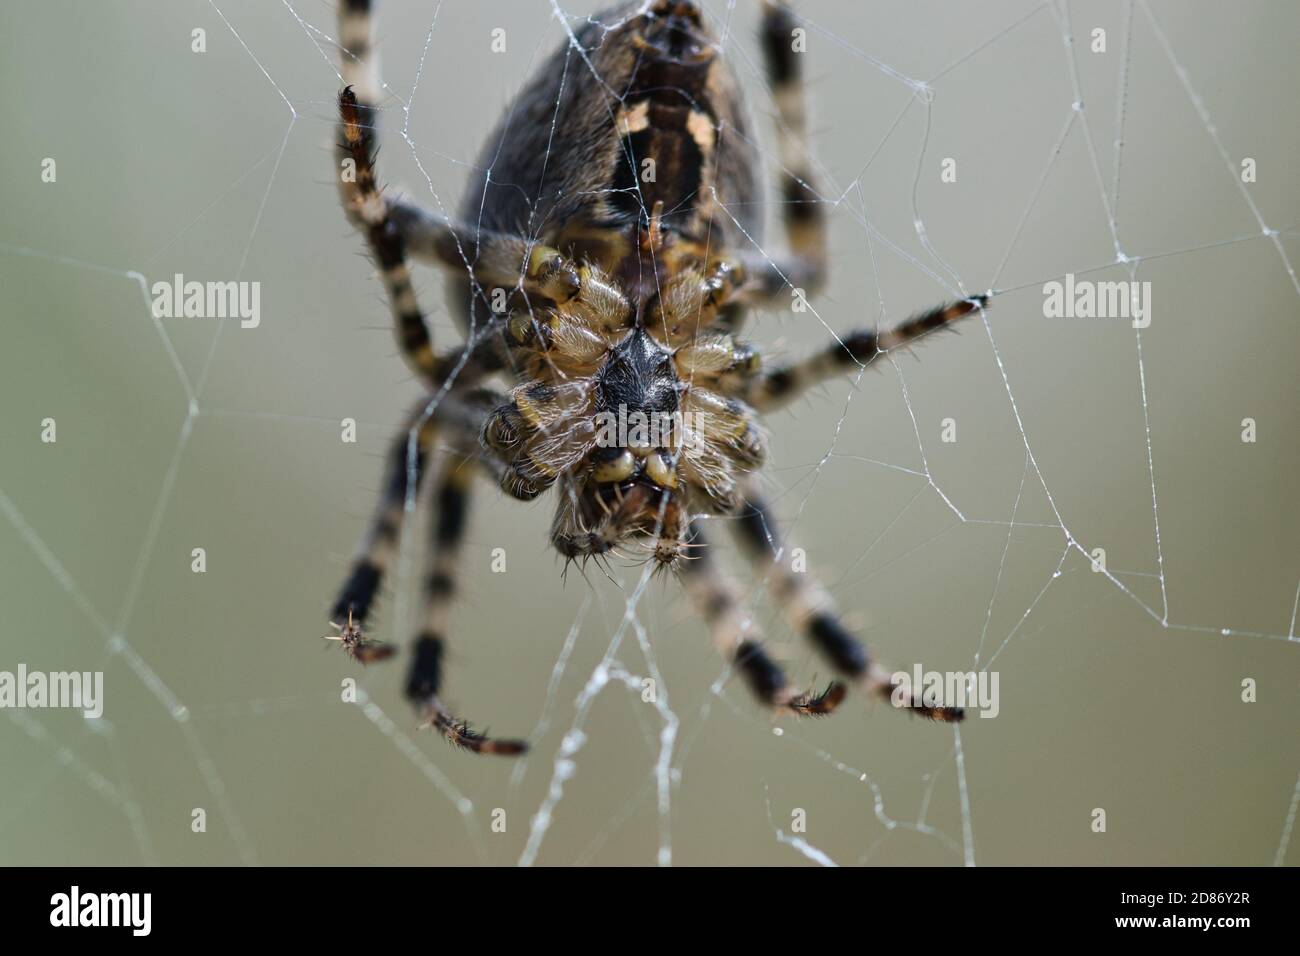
603, 295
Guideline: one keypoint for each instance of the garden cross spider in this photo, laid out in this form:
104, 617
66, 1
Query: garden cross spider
626, 298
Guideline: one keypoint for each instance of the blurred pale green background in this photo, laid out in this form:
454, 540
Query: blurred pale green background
217, 165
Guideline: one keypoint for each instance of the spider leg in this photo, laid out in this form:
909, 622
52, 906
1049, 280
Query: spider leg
458, 417
366, 209
810, 611
477, 423
802, 210
379, 547
493, 259
776, 387
736, 636
394, 227
464, 416
424, 678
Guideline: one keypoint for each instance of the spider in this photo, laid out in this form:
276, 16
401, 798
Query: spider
605, 269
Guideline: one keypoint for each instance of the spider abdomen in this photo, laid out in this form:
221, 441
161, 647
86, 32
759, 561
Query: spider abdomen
650, 87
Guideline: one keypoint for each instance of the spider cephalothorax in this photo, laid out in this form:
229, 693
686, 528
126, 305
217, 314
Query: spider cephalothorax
612, 236
626, 413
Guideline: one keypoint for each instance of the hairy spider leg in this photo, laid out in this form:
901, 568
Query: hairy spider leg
378, 548
810, 611
424, 678
737, 639
776, 387
803, 211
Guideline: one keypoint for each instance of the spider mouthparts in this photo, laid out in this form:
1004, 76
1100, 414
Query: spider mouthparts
611, 515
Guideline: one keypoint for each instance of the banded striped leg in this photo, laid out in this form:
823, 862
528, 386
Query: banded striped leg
379, 547
810, 611
395, 227
774, 388
494, 259
367, 210
736, 637
424, 679
803, 212
461, 416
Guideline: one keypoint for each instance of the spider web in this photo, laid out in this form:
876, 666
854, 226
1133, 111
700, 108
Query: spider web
1123, 684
